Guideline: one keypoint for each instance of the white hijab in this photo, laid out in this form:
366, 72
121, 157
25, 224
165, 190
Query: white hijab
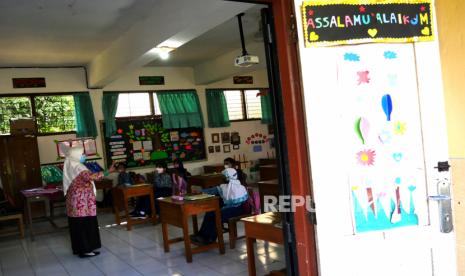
73, 166
233, 192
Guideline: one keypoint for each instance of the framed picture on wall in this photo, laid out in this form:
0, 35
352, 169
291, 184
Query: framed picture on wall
215, 138
217, 148
211, 149
235, 147
225, 138
226, 148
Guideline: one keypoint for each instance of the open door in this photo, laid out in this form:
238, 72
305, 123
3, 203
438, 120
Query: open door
376, 133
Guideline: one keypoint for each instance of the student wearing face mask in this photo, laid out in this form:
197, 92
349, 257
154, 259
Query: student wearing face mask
81, 207
124, 178
162, 183
233, 164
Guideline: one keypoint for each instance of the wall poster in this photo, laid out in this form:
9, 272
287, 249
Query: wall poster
379, 108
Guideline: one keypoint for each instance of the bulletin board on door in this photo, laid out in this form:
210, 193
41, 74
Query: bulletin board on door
144, 142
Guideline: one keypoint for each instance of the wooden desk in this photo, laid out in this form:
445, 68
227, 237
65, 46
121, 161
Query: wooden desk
121, 196
49, 197
267, 161
262, 227
216, 168
177, 213
104, 184
268, 187
268, 172
205, 181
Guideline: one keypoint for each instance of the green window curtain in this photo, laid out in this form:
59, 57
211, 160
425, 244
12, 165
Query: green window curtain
267, 112
85, 120
217, 108
180, 109
109, 106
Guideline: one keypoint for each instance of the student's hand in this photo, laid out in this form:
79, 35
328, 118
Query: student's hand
112, 168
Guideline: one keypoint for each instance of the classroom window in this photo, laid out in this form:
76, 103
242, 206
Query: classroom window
137, 104
243, 104
55, 114
13, 108
253, 105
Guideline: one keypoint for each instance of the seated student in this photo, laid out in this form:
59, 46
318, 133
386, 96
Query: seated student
124, 177
179, 169
234, 198
179, 177
163, 187
231, 163
162, 183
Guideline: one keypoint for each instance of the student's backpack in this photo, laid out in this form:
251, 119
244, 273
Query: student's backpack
254, 201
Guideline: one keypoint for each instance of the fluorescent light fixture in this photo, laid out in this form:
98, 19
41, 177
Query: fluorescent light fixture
162, 51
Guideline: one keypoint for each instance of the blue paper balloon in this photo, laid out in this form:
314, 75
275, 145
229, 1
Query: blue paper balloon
386, 102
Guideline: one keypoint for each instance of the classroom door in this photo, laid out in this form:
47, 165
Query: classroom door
376, 132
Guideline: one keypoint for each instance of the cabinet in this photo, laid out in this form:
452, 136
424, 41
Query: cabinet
19, 165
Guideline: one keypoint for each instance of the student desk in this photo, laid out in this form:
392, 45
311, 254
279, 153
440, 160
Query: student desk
204, 181
48, 197
216, 168
121, 196
269, 188
265, 227
177, 213
268, 172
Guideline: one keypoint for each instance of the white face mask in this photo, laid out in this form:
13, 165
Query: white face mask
227, 166
159, 170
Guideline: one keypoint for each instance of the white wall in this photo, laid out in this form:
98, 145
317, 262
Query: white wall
73, 80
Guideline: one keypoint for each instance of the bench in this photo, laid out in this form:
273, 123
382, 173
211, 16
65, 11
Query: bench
18, 217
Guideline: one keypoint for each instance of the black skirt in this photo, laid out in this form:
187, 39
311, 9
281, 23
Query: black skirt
85, 235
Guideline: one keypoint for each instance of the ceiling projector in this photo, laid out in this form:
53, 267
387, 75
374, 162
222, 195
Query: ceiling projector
246, 61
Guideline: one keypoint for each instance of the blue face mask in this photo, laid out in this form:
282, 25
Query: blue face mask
83, 158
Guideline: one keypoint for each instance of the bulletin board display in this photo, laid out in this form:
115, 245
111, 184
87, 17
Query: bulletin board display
89, 144
143, 142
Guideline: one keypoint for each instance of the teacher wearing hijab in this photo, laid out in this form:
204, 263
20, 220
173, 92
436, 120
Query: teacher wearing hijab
81, 207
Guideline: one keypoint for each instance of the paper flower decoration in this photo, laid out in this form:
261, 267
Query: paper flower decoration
400, 128
351, 57
366, 157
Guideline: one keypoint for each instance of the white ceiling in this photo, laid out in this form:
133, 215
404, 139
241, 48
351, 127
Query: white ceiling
217, 41
74, 32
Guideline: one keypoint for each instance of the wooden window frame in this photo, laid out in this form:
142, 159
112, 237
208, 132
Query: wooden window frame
244, 106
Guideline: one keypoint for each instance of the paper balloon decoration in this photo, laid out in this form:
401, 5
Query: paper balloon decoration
362, 127
386, 102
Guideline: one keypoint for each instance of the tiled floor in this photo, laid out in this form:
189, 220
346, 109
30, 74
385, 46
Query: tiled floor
136, 252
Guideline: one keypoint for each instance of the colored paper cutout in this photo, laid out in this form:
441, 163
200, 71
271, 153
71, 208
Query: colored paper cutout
390, 55
368, 220
363, 129
366, 157
257, 148
400, 128
397, 156
392, 79
363, 77
385, 137
351, 57
372, 32
386, 103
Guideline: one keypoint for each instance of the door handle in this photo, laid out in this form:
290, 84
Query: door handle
444, 205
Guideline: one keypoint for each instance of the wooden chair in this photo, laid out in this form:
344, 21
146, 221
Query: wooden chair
18, 217
232, 230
